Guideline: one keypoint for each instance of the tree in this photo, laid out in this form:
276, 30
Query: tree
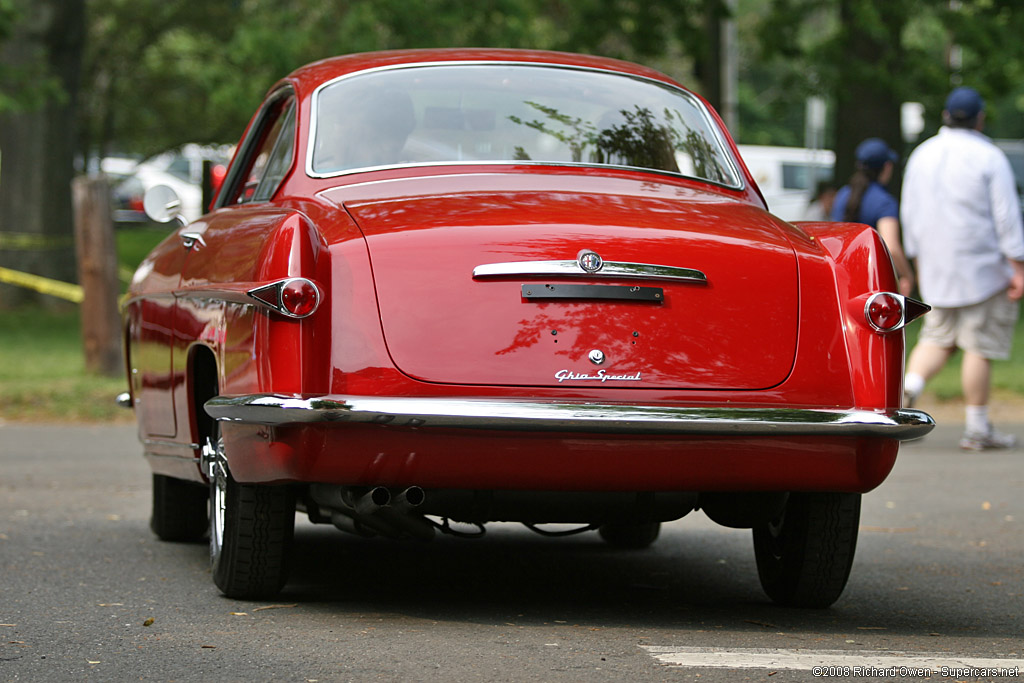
155, 68
146, 74
40, 66
868, 57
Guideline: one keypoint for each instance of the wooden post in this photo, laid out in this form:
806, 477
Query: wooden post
97, 273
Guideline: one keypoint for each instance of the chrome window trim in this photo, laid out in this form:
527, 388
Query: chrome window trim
696, 101
263, 192
610, 269
240, 161
580, 417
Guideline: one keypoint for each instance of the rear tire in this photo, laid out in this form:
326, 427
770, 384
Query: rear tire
179, 509
251, 529
632, 536
804, 556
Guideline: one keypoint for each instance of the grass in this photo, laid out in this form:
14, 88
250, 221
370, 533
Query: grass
1007, 375
42, 366
43, 377
135, 242
42, 370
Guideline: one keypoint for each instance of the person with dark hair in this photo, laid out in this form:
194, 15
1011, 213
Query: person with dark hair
366, 129
865, 200
820, 206
963, 225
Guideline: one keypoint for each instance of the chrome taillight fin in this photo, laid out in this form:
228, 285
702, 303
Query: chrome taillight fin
293, 297
887, 312
268, 294
913, 309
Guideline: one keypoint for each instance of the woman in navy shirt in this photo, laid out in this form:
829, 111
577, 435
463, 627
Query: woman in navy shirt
865, 200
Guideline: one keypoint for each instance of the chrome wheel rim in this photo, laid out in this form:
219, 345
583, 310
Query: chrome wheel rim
218, 499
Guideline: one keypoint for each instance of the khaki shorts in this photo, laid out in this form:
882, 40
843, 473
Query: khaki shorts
985, 329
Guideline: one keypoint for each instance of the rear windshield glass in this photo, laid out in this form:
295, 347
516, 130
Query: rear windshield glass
502, 113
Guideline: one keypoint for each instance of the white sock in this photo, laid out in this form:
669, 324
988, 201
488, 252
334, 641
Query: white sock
913, 384
977, 419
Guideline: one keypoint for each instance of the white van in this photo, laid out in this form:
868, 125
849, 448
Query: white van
787, 176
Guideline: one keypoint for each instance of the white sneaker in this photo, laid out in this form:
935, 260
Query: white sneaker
974, 441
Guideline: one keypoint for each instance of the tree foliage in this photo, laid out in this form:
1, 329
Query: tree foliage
146, 72
868, 57
159, 73
154, 69
156, 74
39, 77
26, 80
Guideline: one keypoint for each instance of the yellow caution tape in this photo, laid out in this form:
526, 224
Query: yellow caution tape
64, 290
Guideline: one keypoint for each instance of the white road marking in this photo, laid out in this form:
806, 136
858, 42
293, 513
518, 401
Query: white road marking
836, 662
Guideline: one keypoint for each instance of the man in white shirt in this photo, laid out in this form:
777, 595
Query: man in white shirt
962, 223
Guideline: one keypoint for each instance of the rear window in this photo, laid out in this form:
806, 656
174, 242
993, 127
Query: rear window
513, 113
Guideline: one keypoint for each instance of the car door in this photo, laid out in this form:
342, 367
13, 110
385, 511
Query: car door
228, 247
150, 317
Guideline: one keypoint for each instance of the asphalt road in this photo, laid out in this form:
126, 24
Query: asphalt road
86, 591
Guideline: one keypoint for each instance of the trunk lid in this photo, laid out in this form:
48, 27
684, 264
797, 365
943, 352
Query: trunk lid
736, 331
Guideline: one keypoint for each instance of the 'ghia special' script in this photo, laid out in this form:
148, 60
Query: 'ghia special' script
600, 376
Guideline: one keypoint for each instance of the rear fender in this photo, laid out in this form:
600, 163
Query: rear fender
861, 266
293, 354
244, 248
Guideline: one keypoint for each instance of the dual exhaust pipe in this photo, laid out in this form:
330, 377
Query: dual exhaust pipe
373, 512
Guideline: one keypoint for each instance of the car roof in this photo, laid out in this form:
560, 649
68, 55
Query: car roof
312, 75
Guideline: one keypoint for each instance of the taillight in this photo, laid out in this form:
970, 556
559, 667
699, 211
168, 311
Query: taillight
884, 312
294, 297
299, 297
888, 312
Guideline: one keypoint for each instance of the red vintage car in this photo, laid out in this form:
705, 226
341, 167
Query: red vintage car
448, 287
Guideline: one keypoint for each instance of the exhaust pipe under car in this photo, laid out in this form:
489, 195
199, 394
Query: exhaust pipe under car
373, 512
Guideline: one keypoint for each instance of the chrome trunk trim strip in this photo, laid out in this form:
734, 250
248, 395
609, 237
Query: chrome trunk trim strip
595, 418
610, 269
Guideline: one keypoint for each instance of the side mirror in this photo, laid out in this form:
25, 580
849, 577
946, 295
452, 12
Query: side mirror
162, 204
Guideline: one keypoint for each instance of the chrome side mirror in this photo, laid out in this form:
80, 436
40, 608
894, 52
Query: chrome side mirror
162, 204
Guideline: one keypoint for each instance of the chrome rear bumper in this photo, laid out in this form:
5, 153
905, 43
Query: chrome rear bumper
594, 418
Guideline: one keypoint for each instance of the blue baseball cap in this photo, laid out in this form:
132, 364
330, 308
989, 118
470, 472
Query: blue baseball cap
964, 104
874, 153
